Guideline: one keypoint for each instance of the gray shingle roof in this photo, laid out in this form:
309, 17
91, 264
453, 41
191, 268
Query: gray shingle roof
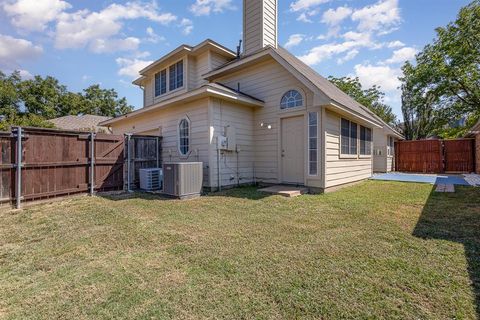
85, 122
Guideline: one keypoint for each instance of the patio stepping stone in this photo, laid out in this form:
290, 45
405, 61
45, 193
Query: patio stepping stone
449, 188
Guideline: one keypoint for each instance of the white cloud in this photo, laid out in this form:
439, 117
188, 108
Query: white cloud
113, 45
353, 41
294, 40
334, 17
187, 26
84, 28
299, 5
34, 15
402, 55
152, 36
13, 51
25, 74
395, 44
349, 56
205, 7
381, 17
131, 67
383, 76
304, 17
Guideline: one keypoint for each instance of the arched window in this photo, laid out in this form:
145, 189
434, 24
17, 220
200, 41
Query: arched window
184, 136
291, 99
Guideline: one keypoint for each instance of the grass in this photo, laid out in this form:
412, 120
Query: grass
375, 250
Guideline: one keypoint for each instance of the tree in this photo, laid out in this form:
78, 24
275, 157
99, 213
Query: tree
372, 98
42, 96
9, 94
104, 102
444, 83
32, 102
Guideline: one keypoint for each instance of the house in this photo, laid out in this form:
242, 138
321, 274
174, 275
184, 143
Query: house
86, 122
260, 115
475, 133
384, 148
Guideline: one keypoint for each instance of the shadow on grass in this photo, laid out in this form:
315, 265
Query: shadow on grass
455, 217
244, 192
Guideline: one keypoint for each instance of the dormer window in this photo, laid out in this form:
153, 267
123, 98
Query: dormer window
172, 82
176, 75
161, 83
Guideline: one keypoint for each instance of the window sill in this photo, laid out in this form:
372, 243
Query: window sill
365, 156
348, 156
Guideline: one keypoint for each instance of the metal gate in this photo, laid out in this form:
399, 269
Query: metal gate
435, 156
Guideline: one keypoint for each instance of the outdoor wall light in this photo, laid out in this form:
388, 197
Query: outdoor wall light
265, 125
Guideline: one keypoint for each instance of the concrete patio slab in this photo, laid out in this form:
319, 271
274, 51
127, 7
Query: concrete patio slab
286, 191
423, 178
472, 179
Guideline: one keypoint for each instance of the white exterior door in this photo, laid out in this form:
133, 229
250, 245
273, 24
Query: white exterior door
293, 150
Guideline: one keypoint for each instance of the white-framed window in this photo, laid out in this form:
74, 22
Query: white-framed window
365, 141
313, 143
184, 136
175, 75
349, 137
291, 99
391, 146
161, 83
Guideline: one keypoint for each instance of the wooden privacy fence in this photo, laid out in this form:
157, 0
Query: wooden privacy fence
435, 156
38, 163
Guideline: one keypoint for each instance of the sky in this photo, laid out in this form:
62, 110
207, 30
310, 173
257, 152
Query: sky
106, 42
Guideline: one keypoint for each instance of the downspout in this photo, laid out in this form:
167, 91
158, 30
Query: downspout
218, 166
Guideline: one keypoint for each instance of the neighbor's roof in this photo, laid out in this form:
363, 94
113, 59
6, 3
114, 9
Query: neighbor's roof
80, 122
209, 89
337, 96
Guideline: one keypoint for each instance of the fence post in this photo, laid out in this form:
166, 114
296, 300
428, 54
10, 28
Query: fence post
92, 163
18, 180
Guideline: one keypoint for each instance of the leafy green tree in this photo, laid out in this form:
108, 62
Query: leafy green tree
42, 96
371, 98
104, 102
32, 102
9, 94
444, 83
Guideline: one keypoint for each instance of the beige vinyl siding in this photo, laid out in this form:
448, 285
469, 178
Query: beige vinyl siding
240, 118
216, 62
340, 170
202, 66
252, 25
379, 145
383, 162
192, 73
390, 164
260, 24
166, 121
268, 81
270, 23
149, 92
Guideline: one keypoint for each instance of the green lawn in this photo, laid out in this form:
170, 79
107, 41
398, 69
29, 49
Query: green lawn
375, 250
